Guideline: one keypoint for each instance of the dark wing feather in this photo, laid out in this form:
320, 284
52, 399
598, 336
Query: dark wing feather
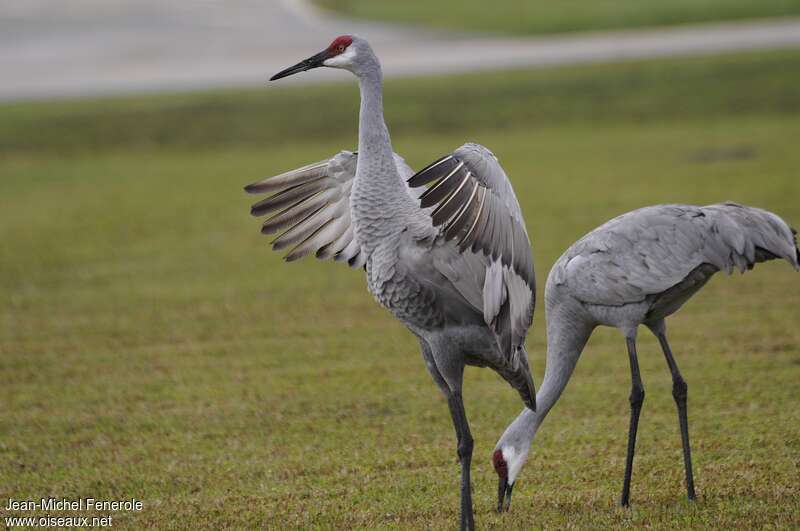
432, 171
490, 220
450, 179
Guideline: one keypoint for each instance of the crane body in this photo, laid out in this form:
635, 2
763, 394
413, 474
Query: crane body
452, 262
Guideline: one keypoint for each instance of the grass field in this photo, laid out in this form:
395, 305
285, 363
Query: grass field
151, 346
539, 16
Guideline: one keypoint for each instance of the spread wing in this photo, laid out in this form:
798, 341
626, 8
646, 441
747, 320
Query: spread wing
476, 208
310, 208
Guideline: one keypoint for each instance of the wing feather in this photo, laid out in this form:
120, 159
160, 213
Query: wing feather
326, 233
456, 201
491, 233
330, 249
444, 187
426, 174
286, 198
307, 227
310, 208
463, 218
291, 178
292, 215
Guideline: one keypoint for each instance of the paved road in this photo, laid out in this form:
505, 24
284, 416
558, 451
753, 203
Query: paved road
83, 47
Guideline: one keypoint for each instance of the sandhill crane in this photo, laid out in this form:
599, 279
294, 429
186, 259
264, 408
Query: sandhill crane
468, 302
638, 269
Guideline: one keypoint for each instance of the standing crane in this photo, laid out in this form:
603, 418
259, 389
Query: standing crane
451, 261
638, 269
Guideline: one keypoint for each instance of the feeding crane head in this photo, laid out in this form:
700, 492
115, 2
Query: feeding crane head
347, 52
510, 454
507, 463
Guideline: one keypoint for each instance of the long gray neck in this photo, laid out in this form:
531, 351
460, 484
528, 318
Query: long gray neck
380, 202
374, 143
567, 334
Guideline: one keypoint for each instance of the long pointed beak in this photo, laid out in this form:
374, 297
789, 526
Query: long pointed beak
314, 61
504, 490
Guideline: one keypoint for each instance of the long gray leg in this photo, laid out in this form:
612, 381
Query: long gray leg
464, 456
680, 393
463, 435
636, 399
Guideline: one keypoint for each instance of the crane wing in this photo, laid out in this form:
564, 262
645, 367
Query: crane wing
649, 250
310, 208
475, 207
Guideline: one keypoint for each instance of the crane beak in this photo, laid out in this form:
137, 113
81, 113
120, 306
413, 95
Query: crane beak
504, 490
315, 61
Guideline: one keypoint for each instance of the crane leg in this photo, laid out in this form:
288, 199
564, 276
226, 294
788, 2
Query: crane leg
636, 399
680, 392
465, 444
452, 391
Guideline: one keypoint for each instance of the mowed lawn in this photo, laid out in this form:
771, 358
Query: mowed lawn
541, 16
152, 346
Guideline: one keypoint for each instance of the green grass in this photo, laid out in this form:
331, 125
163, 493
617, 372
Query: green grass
540, 16
151, 345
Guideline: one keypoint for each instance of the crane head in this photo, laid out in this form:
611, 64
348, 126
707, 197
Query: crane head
339, 54
507, 463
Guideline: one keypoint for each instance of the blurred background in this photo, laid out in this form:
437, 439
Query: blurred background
152, 346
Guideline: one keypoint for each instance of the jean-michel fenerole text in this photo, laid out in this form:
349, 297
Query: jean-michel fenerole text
79, 504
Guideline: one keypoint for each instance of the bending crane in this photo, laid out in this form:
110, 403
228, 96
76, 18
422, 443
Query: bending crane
638, 269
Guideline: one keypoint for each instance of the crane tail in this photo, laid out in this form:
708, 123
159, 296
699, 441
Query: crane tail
751, 235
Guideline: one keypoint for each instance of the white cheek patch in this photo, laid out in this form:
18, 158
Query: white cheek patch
342, 60
509, 453
514, 462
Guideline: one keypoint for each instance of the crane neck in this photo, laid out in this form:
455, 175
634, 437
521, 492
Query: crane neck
567, 334
380, 203
373, 135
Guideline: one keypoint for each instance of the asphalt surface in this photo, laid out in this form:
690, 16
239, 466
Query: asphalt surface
88, 47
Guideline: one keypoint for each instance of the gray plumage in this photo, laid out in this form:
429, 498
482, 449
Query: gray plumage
639, 268
638, 256
310, 207
452, 262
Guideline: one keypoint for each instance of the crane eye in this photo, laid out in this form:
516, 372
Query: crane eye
341, 48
